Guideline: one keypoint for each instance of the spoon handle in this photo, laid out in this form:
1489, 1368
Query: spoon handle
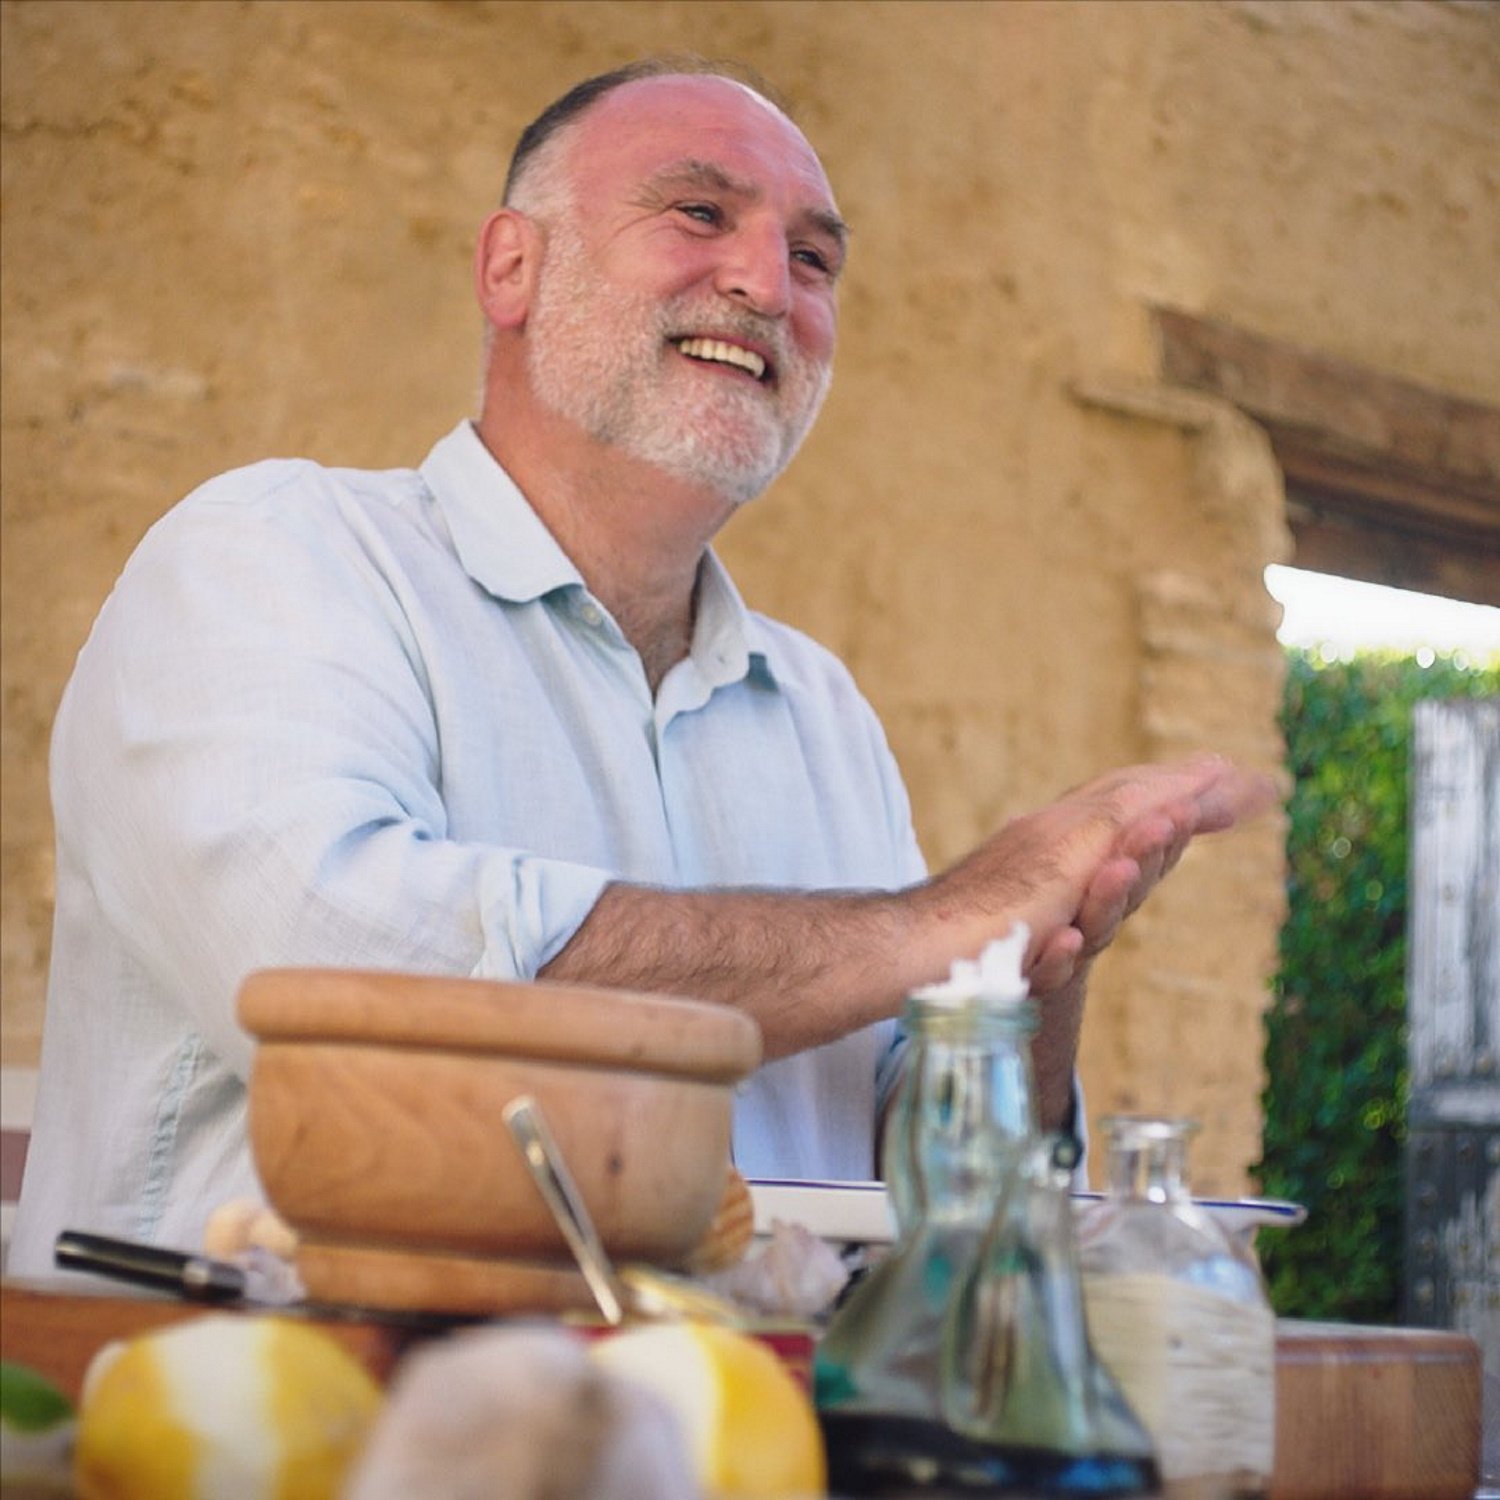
528, 1128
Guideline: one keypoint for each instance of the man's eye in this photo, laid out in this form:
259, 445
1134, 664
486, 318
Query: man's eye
704, 213
814, 258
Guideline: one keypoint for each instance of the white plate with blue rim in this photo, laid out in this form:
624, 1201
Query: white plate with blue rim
859, 1213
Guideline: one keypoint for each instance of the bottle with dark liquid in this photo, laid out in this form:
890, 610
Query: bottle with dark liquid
960, 1143
1020, 1376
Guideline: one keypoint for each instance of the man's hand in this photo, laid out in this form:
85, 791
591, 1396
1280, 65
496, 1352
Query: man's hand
1074, 870
1146, 852
811, 967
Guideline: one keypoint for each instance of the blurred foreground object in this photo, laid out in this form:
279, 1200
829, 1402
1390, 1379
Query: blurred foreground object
244, 1224
795, 1274
750, 1428
36, 1435
522, 1413
223, 1405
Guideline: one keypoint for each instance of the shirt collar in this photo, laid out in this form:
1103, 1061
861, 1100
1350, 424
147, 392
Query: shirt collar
504, 546
500, 540
728, 641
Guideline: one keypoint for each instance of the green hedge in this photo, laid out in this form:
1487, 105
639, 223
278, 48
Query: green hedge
1335, 1102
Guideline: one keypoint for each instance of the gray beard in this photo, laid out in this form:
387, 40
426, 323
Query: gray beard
595, 357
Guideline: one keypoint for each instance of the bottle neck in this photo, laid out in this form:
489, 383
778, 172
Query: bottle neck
1149, 1164
964, 1108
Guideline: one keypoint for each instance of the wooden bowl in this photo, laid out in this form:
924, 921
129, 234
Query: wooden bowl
375, 1121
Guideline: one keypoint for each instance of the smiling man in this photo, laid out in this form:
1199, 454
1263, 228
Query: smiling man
661, 293
504, 714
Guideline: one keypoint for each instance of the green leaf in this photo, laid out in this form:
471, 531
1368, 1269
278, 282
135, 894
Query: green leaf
30, 1402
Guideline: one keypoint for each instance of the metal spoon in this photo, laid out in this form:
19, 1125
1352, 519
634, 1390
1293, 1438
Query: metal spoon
523, 1117
635, 1289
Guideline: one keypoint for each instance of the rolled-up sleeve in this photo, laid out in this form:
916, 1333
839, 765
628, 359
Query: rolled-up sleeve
250, 764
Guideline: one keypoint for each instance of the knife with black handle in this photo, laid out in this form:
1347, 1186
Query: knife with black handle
198, 1277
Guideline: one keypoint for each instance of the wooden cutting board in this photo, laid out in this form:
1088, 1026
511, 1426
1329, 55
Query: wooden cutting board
1361, 1413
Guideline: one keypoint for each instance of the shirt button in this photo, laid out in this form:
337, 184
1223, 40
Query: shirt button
590, 614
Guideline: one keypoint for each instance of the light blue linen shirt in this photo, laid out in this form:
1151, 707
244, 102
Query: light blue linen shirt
376, 719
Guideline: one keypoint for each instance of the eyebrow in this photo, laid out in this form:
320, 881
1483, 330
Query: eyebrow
692, 172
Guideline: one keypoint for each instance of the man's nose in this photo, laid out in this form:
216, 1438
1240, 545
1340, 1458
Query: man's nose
756, 269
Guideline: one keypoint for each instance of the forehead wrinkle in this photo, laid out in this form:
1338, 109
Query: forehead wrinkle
691, 172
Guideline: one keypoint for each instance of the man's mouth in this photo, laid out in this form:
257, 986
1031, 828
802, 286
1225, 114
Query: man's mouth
718, 352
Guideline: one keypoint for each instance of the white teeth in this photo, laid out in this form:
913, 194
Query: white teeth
724, 354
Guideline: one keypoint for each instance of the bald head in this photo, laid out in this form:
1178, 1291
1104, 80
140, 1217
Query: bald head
533, 149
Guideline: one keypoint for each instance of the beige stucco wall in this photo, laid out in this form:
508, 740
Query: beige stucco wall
236, 230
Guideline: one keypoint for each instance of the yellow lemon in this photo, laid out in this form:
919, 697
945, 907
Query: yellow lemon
750, 1427
222, 1406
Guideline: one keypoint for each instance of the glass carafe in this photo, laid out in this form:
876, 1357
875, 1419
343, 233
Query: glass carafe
1178, 1312
984, 1261
958, 1122
1020, 1378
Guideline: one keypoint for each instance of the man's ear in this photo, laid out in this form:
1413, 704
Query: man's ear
506, 261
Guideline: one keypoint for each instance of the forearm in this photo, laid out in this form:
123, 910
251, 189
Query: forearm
807, 967
812, 967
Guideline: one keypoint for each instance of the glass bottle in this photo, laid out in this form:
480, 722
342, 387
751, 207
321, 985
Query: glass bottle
951, 1140
1178, 1312
953, 1137
984, 1262
1020, 1377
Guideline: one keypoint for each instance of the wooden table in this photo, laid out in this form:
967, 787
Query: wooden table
1361, 1413
1376, 1413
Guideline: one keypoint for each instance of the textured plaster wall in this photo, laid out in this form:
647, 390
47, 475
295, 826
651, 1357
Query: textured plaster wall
239, 229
